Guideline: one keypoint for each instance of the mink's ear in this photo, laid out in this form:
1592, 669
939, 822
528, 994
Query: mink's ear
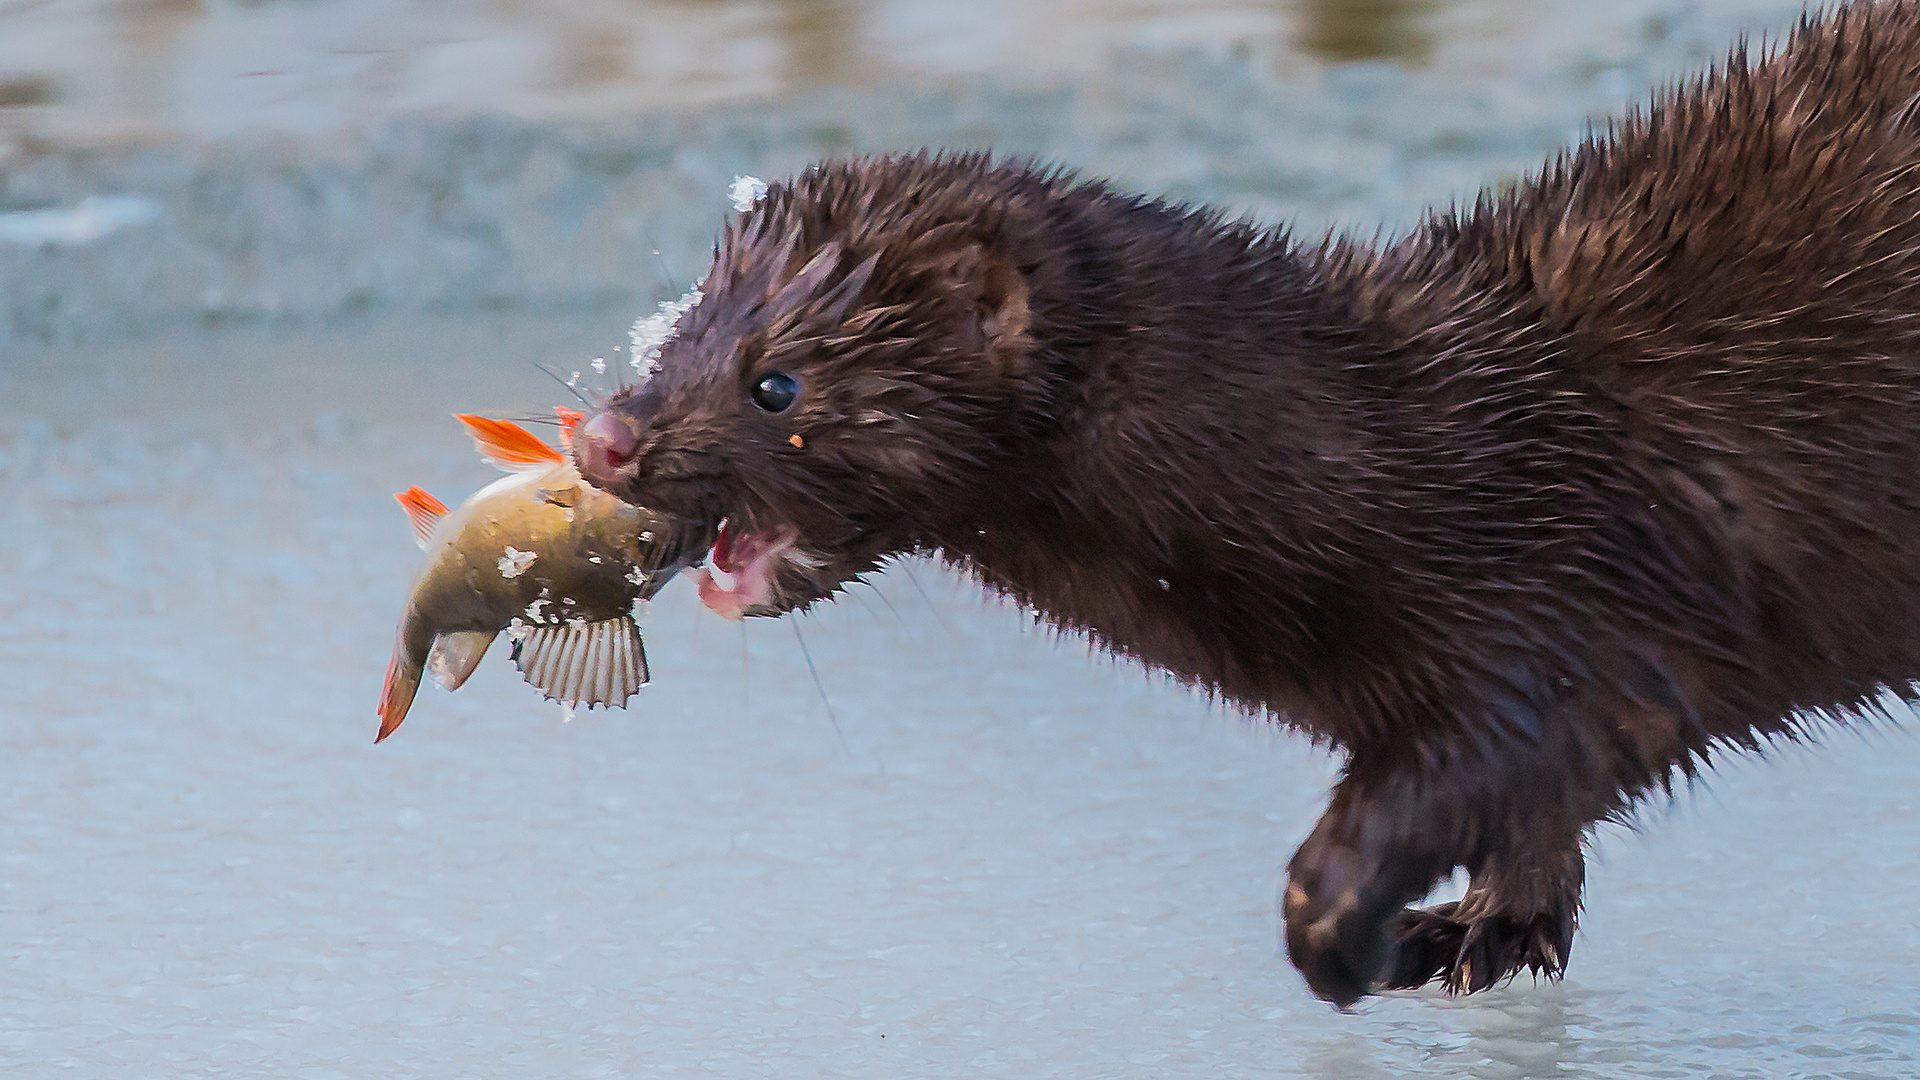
1005, 314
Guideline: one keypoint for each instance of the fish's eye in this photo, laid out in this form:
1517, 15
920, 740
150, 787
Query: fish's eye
775, 391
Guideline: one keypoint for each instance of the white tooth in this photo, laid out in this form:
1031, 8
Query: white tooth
723, 579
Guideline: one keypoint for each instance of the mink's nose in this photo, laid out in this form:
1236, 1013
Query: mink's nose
603, 446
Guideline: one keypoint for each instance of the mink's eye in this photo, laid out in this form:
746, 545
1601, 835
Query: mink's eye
775, 391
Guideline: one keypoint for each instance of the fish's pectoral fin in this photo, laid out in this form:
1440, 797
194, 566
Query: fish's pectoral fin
600, 663
424, 511
455, 655
508, 445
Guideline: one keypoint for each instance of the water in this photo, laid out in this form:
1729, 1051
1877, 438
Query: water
78, 70
998, 856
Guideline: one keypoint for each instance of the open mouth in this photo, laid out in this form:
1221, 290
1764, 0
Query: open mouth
738, 578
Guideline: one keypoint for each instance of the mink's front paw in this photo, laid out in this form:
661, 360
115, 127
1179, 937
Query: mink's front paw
1336, 925
1470, 955
1338, 950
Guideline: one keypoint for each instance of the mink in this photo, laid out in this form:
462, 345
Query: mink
1529, 511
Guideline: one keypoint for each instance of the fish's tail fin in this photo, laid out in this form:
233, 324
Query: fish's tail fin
403, 673
396, 697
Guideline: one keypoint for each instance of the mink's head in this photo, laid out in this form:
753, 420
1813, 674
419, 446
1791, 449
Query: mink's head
855, 372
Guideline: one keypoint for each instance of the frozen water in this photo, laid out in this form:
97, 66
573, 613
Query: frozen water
409, 203
651, 333
1021, 862
1011, 860
94, 217
746, 192
515, 562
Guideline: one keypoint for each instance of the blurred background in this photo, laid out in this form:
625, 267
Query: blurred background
253, 252
278, 158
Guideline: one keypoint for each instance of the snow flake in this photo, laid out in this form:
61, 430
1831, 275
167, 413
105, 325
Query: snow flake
515, 562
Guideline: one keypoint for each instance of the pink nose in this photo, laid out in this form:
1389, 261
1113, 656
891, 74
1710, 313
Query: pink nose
603, 445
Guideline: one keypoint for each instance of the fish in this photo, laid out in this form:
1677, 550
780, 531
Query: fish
554, 561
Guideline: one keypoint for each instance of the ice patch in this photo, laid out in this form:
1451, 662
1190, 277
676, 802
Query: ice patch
599, 365
515, 562
533, 610
96, 216
746, 192
567, 713
637, 577
651, 333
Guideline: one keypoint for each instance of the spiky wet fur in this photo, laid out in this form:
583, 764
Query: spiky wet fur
1527, 511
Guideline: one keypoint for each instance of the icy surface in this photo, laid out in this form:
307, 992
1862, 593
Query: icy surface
1011, 861
995, 857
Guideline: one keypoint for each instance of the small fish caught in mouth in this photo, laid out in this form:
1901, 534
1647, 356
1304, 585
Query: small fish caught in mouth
558, 563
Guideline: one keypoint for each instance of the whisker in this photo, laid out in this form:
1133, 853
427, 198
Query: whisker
668, 279
815, 672
863, 603
669, 283
937, 617
571, 387
875, 589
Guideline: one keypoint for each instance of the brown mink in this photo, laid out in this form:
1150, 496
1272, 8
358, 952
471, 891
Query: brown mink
1527, 511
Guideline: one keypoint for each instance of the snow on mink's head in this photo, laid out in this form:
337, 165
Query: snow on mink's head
855, 373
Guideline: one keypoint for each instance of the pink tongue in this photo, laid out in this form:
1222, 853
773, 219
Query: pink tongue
741, 576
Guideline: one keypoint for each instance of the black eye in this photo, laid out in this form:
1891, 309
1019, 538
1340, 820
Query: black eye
776, 391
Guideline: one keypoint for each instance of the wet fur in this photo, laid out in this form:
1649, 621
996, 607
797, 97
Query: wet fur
1527, 511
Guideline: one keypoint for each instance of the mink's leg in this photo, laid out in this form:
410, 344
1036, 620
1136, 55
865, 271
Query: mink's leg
1512, 814
1509, 800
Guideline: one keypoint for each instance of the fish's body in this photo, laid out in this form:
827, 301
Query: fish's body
542, 552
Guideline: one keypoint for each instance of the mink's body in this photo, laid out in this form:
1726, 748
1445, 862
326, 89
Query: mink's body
1526, 511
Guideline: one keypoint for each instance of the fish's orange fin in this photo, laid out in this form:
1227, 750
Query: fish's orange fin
424, 511
509, 445
569, 420
396, 694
